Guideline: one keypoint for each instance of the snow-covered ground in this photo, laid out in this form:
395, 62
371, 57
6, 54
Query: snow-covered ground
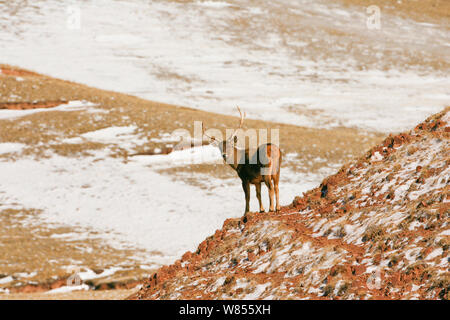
131, 204
362, 240
306, 62
8, 147
69, 106
211, 55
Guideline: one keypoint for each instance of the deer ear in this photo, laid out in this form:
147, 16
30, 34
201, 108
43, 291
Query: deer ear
235, 139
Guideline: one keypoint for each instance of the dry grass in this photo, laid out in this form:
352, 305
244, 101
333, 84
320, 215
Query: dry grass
350, 45
421, 10
43, 135
44, 131
28, 245
119, 294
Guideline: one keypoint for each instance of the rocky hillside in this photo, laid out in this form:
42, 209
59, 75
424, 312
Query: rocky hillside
377, 229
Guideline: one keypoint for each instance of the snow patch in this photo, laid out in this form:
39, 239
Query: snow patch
66, 289
70, 106
11, 147
7, 279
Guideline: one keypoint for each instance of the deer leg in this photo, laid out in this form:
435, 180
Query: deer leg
258, 195
276, 179
246, 187
269, 185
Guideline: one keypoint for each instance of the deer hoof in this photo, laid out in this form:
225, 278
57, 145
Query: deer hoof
262, 211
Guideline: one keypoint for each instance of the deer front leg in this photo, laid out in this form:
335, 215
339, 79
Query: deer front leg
246, 187
276, 179
269, 185
258, 195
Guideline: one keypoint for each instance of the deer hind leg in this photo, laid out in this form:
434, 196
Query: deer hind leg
276, 179
269, 185
246, 187
258, 195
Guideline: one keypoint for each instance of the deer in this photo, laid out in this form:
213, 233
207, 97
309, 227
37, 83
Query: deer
252, 166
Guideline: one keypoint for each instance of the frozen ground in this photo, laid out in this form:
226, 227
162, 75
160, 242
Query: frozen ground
374, 234
131, 204
70, 106
308, 63
304, 62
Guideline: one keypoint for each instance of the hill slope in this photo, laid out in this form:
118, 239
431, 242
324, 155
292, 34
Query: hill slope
53, 132
379, 228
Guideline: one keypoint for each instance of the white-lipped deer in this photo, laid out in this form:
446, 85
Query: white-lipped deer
254, 166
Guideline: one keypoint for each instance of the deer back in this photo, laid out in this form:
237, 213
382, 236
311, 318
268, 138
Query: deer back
265, 160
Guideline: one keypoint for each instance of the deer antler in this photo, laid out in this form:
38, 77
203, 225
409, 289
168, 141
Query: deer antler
240, 123
203, 131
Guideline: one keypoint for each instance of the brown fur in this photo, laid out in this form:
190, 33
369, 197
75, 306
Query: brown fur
255, 167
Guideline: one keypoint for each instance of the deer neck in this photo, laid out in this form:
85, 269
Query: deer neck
238, 154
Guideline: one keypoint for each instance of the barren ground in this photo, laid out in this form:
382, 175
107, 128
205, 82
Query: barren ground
41, 248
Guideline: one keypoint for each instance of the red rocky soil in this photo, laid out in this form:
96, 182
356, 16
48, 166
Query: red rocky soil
15, 72
30, 105
377, 229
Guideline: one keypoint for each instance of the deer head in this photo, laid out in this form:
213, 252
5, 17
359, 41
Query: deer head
227, 147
